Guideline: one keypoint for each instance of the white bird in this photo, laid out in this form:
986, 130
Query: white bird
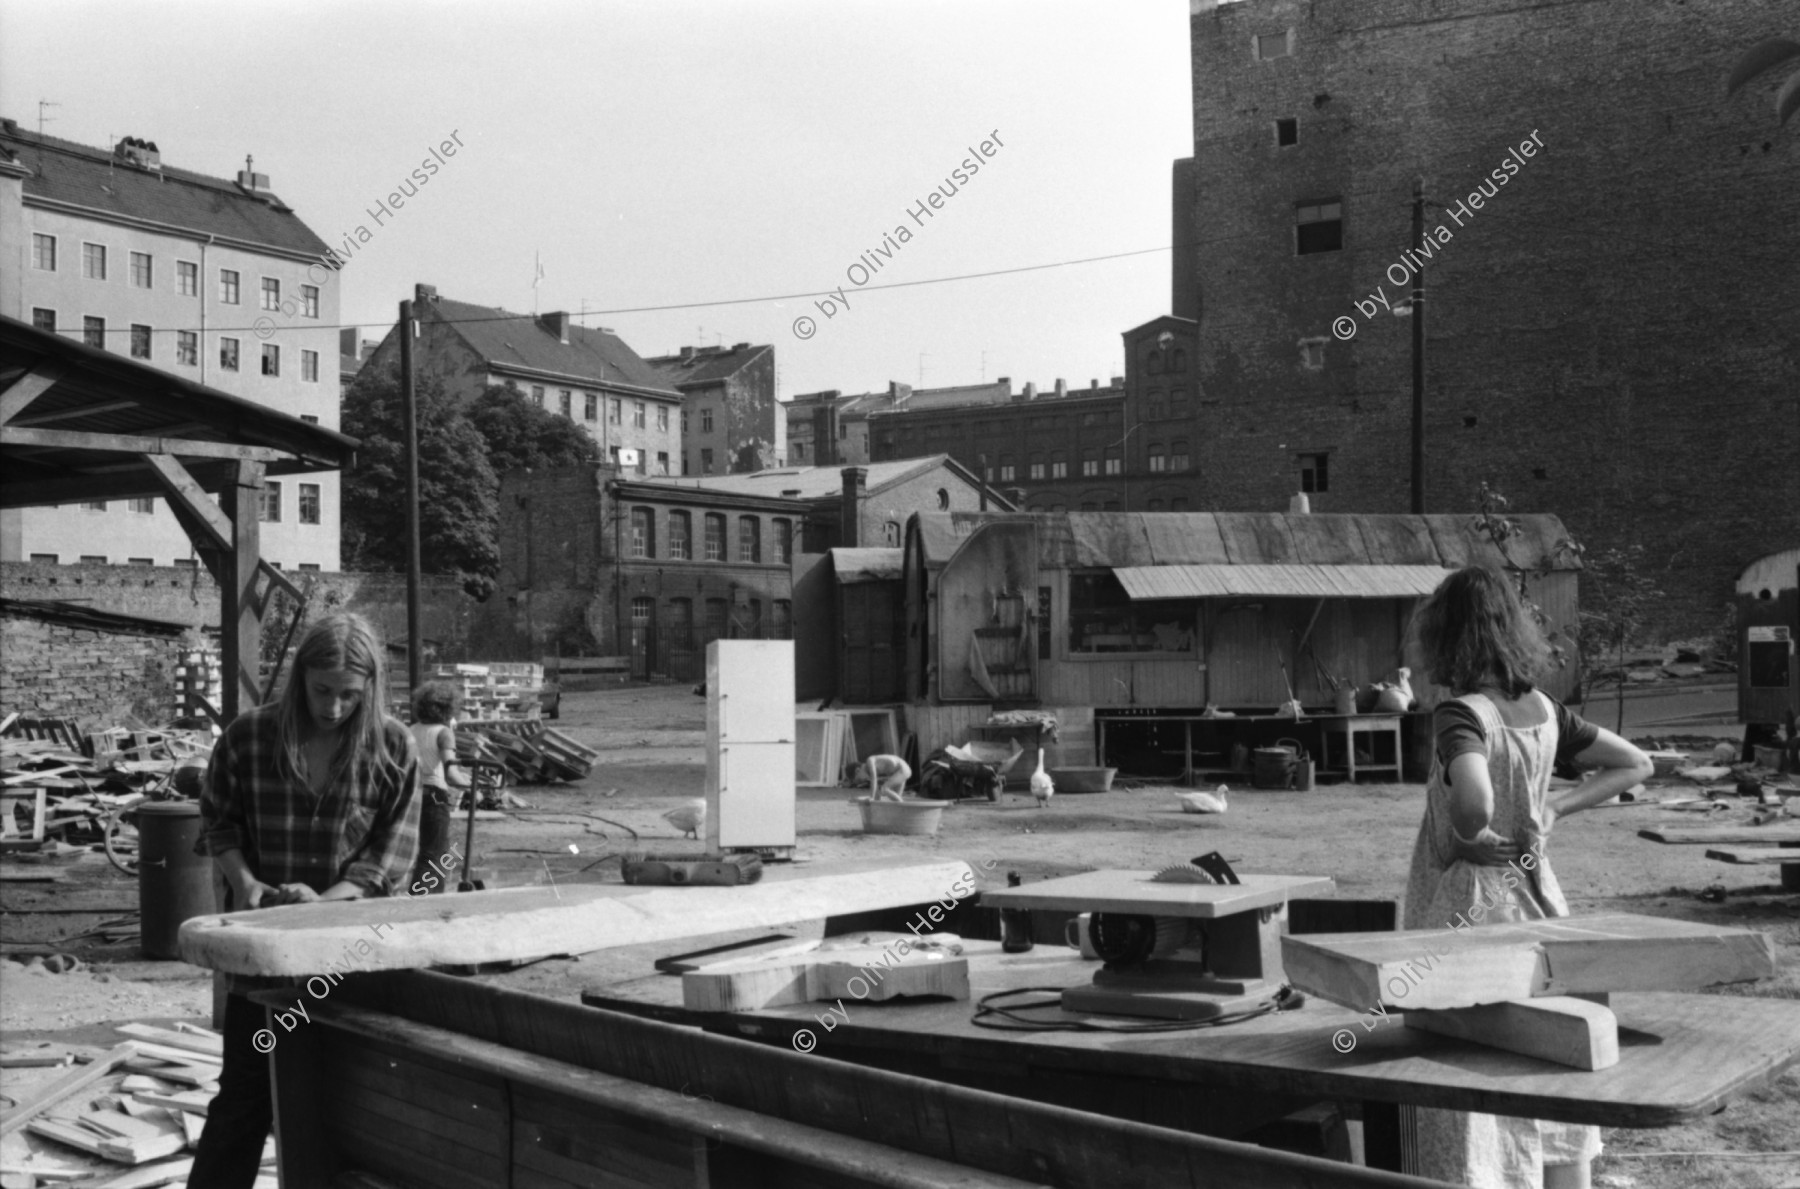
688, 817
1041, 787
1213, 802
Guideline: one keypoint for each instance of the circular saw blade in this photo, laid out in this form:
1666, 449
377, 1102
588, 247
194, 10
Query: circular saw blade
1182, 873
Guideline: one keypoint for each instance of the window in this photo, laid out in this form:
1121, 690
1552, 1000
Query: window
1178, 403
93, 559
681, 624
93, 332
309, 503
890, 534
187, 278
1059, 465
308, 567
706, 420
706, 461
1158, 460
1178, 504
1318, 227
228, 354
613, 410
271, 501
187, 348
643, 532
1154, 408
590, 406
309, 300
715, 537
1008, 470
537, 395
140, 341
643, 461
662, 462
1313, 473
681, 536
662, 418
749, 539
1178, 455
140, 561
1114, 462
228, 286
1102, 618
271, 294
1036, 466
271, 360
1090, 465
642, 607
799, 451
1273, 45
1287, 132
142, 503
565, 402
781, 620
309, 418
718, 619
784, 542
93, 261
614, 451
43, 319
94, 505
684, 421
943, 498
192, 563
637, 415
48, 558
140, 270
309, 366
43, 255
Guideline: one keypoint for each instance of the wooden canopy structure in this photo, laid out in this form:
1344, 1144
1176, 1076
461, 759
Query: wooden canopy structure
77, 423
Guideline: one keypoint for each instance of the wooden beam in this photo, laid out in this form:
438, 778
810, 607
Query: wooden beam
109, 406
1779, 854
1559, 1028
71, 439
240, 610
50, 1093
27, 388
187, 494
1696, 835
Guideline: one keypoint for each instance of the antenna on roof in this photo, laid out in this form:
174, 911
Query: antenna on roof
42, 118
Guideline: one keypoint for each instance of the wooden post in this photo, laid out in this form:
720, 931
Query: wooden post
240, 611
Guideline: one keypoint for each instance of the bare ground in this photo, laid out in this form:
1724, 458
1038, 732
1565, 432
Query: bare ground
651, 739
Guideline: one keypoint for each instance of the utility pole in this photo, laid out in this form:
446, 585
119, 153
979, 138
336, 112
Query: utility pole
409, 399
1418, 350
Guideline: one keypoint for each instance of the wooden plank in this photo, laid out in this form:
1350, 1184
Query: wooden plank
514, 1034
123, 1151
1781, 855
27, 388
881, 971
514, 924
1133, 891
1443, 968
150, 1176
73, 439
59, 1088
1569, 1031
211, 1046
1695, 835
485, 1137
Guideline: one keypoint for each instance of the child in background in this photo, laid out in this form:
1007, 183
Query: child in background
887, 776
434, 706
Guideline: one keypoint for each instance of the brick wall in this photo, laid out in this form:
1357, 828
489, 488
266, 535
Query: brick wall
1610, 338
97, 678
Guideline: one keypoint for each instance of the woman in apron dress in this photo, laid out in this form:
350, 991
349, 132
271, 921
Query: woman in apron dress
1480, 856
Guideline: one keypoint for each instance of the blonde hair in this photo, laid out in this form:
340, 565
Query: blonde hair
343, 640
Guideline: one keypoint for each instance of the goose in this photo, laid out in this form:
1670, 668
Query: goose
688, 817
1041, 787
1213, 802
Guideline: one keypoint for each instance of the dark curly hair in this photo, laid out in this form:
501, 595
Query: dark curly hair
1474, 631
435, 702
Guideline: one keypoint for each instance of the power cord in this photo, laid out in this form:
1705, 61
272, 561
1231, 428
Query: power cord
988, 1014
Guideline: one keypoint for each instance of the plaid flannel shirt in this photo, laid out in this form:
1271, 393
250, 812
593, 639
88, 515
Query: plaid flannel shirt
367, 835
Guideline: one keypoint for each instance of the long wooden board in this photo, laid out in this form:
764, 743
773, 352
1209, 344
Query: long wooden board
874, 972
1559, 1028
515, 924
1780, 854
1133, 891
1751, 835
1443, 968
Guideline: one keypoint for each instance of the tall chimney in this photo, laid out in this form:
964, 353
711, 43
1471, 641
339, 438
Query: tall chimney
1062, 386
1030, 390
850, 515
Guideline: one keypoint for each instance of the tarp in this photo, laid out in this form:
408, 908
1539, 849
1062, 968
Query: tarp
1291, 581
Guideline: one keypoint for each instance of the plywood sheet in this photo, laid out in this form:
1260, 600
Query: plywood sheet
1445, 968
516, 924
1133, 891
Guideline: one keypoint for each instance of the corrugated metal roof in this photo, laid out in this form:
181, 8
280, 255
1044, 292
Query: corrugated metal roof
867, 565
1290, 581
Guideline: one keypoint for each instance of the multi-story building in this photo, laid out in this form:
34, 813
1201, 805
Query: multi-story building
214, 281
731, 422
587, 374
1611, 291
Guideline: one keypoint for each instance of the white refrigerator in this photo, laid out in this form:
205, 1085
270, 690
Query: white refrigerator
750, 746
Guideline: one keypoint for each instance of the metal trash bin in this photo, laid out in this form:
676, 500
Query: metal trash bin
174, 883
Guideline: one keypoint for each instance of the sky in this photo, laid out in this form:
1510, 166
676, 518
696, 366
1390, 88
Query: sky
679, 152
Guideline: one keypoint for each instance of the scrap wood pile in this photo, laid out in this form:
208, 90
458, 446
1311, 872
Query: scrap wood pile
121, 1119
62, 789
531, 752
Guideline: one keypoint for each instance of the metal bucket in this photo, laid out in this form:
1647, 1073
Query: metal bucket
1273, 767
174, 883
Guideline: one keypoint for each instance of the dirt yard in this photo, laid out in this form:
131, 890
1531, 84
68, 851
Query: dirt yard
1362, 836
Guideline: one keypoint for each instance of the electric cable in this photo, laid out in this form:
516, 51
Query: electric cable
988, 1011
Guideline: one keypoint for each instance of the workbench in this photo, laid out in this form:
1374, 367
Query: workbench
1204, 735
1373, 728
1681, 1056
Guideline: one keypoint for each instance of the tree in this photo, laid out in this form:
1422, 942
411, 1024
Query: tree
458, 492
1494, 521
1617, 598
522, 436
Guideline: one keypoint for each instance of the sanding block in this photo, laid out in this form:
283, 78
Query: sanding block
705, 871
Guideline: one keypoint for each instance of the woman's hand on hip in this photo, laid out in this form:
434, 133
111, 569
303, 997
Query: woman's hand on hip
1486, 849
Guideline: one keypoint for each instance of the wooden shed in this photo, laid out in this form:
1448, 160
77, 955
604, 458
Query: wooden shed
1768, 607
869, 611
1179, 611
